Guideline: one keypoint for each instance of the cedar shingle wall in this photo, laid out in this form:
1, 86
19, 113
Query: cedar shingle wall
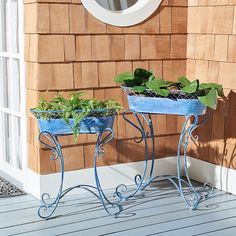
68, 49
211, 54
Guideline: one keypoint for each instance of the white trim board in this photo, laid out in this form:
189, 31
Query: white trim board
219, 176
111, 176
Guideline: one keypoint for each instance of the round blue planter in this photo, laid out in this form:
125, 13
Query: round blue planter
159, 105
87, 125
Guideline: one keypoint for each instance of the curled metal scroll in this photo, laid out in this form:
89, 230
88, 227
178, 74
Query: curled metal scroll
139, 128
49, 206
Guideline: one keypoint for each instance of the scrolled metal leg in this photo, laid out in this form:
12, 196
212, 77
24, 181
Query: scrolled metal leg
150, 135
186, 136
49, 206
139, 179
112, 208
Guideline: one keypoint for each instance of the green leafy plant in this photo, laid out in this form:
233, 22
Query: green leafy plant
74, 107
142, 80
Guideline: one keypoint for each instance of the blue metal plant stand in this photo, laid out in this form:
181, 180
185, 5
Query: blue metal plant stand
189, 193
100, 123
48, 206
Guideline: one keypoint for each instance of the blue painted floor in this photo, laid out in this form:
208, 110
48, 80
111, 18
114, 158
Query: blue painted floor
161, 212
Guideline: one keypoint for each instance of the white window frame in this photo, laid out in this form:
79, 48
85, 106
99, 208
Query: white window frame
133, 15
12, 169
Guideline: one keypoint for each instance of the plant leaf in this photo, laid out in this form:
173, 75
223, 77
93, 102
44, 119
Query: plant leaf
183, 81
191, 87
210, 85
139, 77
136, 81
161, 83
142, 74
210, 100
165, 84
218, 87
139, 89
121, 78
155, 85
163, 92
152, 77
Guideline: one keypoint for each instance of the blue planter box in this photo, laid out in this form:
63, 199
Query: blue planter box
158, 105
89, 125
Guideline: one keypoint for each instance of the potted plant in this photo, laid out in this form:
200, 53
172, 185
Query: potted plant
75, 115
149, 94
61, 116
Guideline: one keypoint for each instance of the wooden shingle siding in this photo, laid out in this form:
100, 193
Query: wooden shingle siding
211, 58
67, 49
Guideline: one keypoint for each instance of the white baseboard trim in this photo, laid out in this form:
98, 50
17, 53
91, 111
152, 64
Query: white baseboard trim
220, 177
110, 176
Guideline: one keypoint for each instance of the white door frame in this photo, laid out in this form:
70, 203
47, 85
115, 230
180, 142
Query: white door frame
12, 168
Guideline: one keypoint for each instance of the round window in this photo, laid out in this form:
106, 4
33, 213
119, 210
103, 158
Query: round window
121, 12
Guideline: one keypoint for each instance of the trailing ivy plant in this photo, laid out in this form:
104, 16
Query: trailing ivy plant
142, 80
74, 107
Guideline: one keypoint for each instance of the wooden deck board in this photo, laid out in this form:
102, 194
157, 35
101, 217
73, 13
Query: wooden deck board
153, 222
161, 212
211, 227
